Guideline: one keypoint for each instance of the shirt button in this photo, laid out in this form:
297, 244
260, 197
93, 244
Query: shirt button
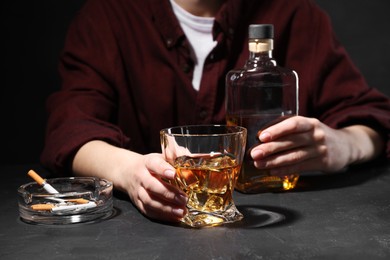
169, 42
186, 68
231, 31
203, 114
212, 56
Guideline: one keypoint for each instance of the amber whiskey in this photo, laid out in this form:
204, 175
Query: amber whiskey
207, 180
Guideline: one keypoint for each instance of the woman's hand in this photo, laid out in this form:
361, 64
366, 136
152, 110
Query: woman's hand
300, 144
140, 176
155, 197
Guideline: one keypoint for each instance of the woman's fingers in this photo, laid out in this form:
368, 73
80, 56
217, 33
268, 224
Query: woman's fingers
151, 206
159, 199
283, 144
152, 192
292, 158
307, 165
295, 144
156, 164
291, 125
164, 191
304, 144
161, 170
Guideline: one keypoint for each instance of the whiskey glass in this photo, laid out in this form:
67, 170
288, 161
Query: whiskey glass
207, 159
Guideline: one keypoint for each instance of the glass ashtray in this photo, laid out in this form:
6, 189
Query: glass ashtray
79, 199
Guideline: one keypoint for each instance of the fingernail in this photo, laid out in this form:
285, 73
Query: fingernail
181, 199
265, 137
178, 212
257, 154
260, 164
170, 174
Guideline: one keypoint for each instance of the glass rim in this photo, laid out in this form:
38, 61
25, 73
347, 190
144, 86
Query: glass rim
22, 189
239, 130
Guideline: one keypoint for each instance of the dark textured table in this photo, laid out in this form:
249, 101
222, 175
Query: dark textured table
339, 216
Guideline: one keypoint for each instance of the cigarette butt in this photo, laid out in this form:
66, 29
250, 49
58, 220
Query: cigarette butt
41, 181
78, 201
36, 177
74, 207
42, 206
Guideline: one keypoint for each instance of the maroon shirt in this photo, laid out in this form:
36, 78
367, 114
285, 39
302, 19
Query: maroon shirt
127, 73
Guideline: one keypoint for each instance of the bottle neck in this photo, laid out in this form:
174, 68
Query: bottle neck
264, 55
260, 48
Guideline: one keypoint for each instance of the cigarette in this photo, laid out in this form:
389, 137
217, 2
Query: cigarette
42, 182
47, 207
56, 208
78, 201
64, 201
63, 205
74, 207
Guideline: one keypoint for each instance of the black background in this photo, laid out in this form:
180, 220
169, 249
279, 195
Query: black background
32, 35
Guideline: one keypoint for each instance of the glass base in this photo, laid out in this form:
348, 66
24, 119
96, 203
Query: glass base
198, 219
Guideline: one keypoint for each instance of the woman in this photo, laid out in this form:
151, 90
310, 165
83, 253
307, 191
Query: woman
131, 68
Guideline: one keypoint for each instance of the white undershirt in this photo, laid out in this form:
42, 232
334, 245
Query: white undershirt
198, 31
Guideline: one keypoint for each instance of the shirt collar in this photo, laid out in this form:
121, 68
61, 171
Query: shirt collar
166, 22
226, 20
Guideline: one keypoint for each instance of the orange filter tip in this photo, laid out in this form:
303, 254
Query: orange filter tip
36, 177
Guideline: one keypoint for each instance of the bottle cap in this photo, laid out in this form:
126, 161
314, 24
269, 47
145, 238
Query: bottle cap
261, 31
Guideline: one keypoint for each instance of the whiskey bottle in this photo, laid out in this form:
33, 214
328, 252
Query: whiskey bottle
257, 96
